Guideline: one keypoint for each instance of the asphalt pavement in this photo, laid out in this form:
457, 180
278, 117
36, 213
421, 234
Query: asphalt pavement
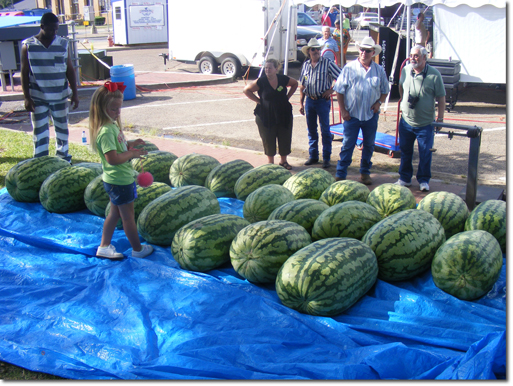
176, 104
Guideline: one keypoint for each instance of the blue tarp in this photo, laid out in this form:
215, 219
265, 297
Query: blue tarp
65, 312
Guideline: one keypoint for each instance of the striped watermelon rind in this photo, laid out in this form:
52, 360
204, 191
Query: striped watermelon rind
23, 181
204, 244
489, 216
405, 243
94, 166
96, 198
156, 162
221, 180
468, 264
448, 208
191, 169
309, 183
144, 197
260, 203
165, 215
327, 277
346, 190
255, 178
63, 191
348, 219
259, 250
303, 212
148, 146
389, 199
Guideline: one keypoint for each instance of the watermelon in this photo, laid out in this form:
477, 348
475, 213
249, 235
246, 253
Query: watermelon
327, 277
63, 191
346, 190
259, 250
148, 146
303, 212
204, 244
96, 198
221, 180
262, 175
448, 208
468, 264
405, 243
165, 215
347, 219
309, 183
191, 169
94, 166
489, 216
144, 197
389, 199
24, 179
260, 203
156, 162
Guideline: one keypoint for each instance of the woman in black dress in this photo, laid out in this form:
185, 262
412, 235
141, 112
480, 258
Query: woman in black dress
273, 111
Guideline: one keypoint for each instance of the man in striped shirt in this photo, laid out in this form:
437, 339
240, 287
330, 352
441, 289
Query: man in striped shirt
361, 89
46, 68
315, 88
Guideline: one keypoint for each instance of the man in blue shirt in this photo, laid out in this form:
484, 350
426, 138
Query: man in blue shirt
328, 43
315, 88
361, 89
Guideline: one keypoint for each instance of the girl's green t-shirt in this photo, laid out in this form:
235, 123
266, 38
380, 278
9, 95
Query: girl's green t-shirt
110, 138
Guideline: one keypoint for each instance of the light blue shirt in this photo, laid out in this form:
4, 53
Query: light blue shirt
361, 89
331, 44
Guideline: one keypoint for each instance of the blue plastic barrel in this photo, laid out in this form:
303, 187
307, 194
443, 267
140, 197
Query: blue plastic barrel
124, 73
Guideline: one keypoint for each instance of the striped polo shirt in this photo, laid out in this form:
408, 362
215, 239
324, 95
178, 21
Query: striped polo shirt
318, 79
47, 78
361, 88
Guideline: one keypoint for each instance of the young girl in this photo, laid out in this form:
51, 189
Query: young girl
118, 175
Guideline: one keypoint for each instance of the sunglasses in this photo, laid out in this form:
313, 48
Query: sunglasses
364, 50
315, 49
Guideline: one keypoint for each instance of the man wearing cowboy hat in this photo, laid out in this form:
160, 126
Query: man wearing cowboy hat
361, 89
315, 88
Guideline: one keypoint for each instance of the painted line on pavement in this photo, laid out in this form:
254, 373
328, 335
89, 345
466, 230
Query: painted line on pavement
214, 124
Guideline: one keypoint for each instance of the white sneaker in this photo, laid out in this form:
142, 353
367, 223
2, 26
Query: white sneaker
424, 187
109, 253
402, 183
145, 251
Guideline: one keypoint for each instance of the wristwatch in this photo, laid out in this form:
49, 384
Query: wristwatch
380, 102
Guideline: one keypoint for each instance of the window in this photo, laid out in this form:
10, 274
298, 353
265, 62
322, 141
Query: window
117, 11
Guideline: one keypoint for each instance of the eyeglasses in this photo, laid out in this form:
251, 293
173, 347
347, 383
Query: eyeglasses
315, 49
364, 50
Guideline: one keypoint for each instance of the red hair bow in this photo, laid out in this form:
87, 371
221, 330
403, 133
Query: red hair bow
113, 86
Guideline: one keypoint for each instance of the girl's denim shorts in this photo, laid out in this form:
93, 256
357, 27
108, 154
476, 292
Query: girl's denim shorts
121, 194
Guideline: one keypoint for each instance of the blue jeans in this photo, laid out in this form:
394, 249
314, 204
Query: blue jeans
313, 109
351, 130
425, 137
121, 194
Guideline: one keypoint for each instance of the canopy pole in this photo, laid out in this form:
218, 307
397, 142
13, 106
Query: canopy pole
287, 40
408, 30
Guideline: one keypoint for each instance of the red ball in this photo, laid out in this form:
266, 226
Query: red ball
145, 179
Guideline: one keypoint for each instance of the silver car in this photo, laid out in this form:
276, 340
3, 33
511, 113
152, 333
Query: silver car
364, 19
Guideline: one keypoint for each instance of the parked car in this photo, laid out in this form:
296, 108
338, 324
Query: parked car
363, 19
307, 29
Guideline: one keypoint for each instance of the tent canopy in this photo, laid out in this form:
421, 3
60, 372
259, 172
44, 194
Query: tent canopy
11, 21
388, 3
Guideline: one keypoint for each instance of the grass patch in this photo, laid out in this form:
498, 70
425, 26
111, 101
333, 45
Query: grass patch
16, 146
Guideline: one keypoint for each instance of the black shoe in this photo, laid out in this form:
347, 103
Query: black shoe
311, 161
326, 163
340, 178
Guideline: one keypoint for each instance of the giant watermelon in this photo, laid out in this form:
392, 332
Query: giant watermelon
303, 212
204, 244
327, 277
96, 198
260, 203
468, 264
389, 199
259, 250
156, 162
346, 190
405, 243
24, 179
489, 216
165, 215
191, 169
221, 180
309, 183
262, 175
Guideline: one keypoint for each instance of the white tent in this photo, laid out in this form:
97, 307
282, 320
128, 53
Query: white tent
472, 31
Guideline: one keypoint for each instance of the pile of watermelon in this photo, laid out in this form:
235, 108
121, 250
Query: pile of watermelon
322, 243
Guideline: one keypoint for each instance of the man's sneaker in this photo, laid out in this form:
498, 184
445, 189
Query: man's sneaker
109, 253
424, 187
145, 251
402, 183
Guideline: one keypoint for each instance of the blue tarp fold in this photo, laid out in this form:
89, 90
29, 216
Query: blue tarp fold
65, 312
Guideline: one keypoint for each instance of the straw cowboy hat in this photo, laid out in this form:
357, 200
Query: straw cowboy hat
313, 43
368, 43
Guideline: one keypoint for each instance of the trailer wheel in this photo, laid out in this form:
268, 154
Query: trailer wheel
207, 65
231, 67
